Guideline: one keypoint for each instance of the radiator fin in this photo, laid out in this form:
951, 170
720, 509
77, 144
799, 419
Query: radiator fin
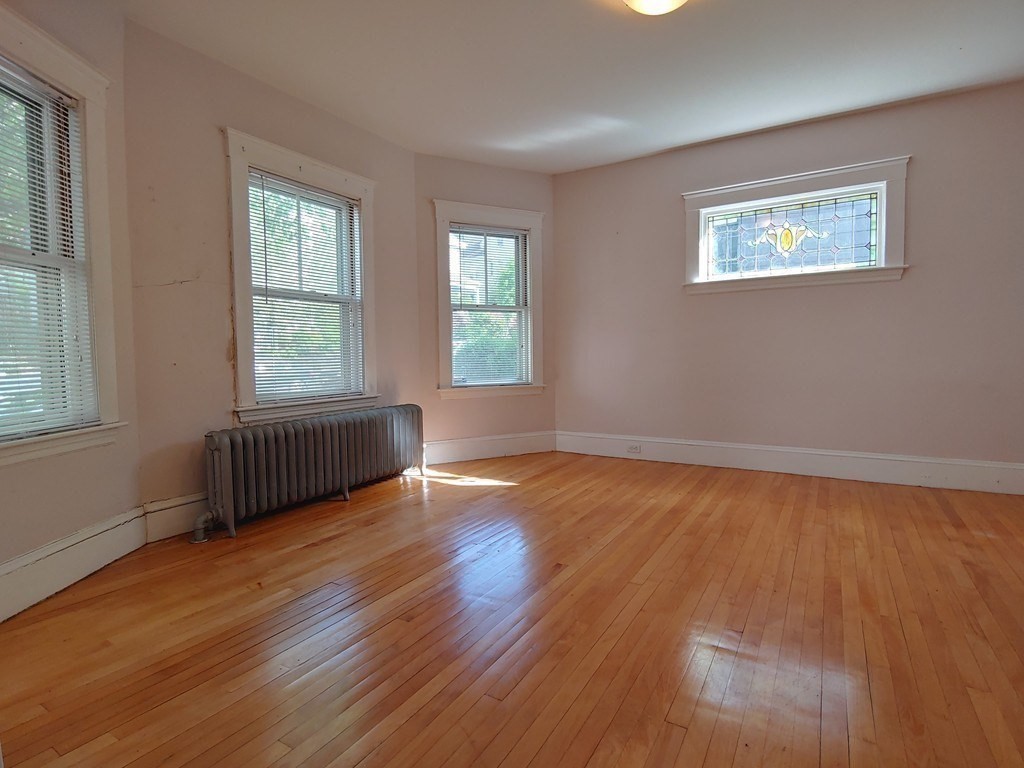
260, 468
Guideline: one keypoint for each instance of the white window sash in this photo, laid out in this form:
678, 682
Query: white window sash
51, 387
38, 53
245, 153
449, 215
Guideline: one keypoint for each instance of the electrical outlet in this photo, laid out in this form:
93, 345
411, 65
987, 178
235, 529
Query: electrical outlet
633, 448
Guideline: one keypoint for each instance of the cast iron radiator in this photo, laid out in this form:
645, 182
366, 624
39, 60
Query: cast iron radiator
260, 468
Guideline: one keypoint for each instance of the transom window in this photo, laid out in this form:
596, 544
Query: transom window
794, 237
840, 225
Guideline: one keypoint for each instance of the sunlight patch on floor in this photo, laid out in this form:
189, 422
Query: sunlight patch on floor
448, 478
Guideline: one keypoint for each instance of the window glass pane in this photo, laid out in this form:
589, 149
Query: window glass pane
15, 209
503, 270
490, 347
318, 247
305, 348
306, 276
805, 236
274, 231
468, 263
487, 269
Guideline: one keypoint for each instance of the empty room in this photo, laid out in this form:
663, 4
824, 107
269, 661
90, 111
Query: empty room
511, 383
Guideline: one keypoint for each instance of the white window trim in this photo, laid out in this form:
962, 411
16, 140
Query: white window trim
48, 59
890, 173
448, 212
245, 152
40, 446
504, 390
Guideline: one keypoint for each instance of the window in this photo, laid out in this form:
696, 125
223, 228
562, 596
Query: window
489, 297
842, 225
50, 371
300, 284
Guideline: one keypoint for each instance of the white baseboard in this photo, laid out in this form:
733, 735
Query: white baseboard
468, 448
991, 476
36, 575
172, 517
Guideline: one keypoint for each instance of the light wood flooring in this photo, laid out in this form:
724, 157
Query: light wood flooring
546, 610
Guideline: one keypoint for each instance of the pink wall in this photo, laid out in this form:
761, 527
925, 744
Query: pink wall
932, 365
49, 498
439, 178
177, 102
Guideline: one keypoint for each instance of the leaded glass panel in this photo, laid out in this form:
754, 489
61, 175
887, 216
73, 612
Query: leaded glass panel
815, 235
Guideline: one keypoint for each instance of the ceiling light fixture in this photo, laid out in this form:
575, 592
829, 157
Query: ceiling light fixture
654, 7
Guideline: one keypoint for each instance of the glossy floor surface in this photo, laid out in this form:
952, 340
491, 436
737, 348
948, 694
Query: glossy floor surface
546, 610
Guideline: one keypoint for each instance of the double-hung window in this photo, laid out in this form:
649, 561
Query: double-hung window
489, 296
301, 275
47, 373
839, 225
307, 307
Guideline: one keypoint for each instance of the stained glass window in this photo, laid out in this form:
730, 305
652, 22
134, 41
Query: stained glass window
802, 235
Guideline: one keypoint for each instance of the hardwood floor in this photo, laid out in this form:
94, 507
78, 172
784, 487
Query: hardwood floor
546, 610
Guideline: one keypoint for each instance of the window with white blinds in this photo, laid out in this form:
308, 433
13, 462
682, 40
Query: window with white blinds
490, 305
47, 374
307, 305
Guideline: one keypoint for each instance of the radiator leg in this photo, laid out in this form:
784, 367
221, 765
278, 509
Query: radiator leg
203, 520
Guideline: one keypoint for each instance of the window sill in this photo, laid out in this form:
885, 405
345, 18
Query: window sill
863, 275
29, 448
461, 393
297, 409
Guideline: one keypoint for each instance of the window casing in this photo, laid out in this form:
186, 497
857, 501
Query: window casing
302, 263
50, 379
489, 300
841, 225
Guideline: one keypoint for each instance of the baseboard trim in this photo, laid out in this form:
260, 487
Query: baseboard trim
172, 517
34, 576
990, 476
468, 448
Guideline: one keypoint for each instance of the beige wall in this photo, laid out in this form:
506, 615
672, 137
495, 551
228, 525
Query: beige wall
49, 498
169, 198
932, 365
442, 179
177, 102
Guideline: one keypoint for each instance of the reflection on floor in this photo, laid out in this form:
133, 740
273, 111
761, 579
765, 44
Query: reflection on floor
546, 610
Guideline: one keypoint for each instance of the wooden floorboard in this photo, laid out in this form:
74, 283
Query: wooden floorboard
545, 610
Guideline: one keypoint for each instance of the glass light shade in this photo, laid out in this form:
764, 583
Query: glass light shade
654, 7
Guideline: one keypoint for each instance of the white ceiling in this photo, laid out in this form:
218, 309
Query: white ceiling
558, 85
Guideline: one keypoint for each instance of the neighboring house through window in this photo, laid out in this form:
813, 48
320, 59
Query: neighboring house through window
302, 283
840, 225
489, 297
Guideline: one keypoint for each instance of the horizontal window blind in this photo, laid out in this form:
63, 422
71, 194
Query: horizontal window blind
306, 267
488, 270
47, 378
